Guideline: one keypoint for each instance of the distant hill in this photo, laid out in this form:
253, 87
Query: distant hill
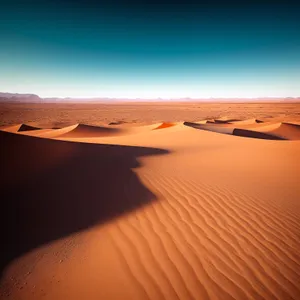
24, 98
290, 99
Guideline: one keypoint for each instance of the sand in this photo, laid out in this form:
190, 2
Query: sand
192, 209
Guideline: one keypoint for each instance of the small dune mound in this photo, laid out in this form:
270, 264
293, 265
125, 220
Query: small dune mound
88, 131
11, 128
164, 125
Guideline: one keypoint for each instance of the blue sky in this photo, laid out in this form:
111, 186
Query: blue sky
149, 50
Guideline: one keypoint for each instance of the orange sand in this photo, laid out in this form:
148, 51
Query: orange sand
196, 210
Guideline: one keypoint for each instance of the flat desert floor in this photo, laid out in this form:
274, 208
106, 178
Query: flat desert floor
150, 201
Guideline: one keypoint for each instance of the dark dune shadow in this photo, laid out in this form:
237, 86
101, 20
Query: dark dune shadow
51, 189
235, 131
25, 127
117, 123
296, 126
255, 134
210, 127
216, 121
191, 124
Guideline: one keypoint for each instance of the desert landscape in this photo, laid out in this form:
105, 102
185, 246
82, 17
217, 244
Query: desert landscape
150, 201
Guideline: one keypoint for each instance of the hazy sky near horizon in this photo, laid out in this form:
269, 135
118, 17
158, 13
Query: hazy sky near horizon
149, 49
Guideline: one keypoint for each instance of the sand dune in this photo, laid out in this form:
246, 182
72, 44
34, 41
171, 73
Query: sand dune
81, 130
282, 130
19, 128
138, 213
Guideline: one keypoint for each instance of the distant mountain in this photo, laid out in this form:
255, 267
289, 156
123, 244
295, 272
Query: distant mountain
24, 98
32, 98
81, 100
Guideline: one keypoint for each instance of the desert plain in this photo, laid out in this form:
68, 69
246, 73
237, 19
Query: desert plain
150, 201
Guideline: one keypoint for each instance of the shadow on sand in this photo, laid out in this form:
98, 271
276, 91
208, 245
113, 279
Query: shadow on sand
51, 189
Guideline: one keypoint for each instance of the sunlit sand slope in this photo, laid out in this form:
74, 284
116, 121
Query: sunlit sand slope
206, 242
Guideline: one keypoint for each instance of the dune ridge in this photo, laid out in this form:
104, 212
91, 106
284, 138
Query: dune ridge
82, 130
252, 128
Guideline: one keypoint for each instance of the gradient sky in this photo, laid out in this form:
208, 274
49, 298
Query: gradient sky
148, 49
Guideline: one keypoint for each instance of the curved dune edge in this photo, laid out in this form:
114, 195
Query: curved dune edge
58, 132
82, 130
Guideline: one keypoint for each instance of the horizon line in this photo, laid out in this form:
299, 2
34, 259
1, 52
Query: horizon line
149, 98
